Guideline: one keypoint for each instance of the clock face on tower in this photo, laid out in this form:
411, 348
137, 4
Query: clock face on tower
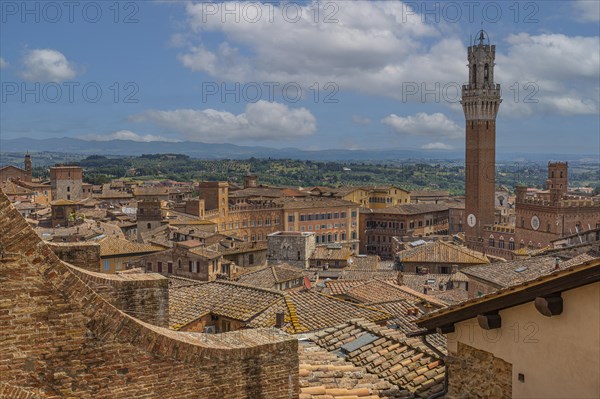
471, 220
535, 222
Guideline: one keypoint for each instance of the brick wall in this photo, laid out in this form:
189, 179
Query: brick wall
473, 373
85, 255
60, 338
141, 295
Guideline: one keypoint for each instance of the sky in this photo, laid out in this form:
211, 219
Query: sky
308, 74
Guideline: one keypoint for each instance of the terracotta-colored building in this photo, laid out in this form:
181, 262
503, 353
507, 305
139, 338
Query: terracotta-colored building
11, 172
379, 226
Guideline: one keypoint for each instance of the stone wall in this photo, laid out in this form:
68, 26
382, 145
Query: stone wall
85, 255
60, 338
141, 295
474, 373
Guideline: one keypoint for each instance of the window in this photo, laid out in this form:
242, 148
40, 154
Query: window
68, 189
511, 245
251, 259
353, 214
159, 266
106, 265
290, 218
149, 266
149, 226
302, 218
501, 243
491, 242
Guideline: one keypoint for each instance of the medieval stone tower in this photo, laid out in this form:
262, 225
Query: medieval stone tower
558, 177
28, 167
480, 101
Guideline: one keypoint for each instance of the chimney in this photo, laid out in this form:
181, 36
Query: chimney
400, 279
279, 319
557, 263
425, 290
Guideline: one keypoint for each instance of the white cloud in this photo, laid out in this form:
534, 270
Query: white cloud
587, 10
361, 120
549, 74
379, 48
437, 146
261, 121
422, 124
380, 42
125, 135
3, 63
47, 65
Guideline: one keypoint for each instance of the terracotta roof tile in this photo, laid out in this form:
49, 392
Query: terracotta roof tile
442, 252
112, 246
236, 301
269, 277
392, 356
310, 311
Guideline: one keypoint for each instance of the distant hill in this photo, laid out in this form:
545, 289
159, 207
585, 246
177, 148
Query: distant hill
232, 151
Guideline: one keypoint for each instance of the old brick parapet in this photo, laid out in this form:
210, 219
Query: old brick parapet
60, 337
82, 254
141, 295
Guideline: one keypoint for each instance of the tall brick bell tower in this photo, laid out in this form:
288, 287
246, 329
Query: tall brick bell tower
480, 101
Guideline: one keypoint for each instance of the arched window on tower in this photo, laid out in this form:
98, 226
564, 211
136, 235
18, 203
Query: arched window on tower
486, 73
474, 78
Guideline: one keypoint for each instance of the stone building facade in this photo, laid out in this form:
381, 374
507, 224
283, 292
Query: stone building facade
543, 217
378, 227
291, 247
198, 263
66, 183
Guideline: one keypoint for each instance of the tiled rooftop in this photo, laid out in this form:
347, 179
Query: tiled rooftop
331, 253
408, 209
269, 277
307, 311
404, 362
112, 246
360, 274
506, 274
325, 375
442, 252
236, 301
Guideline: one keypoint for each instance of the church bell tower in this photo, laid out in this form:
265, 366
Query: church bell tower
480, 101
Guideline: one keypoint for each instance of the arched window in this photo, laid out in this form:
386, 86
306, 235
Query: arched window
474, 79
501, 242
491, 241
486, 72
149, 225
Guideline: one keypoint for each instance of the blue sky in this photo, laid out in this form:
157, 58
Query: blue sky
330, 74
